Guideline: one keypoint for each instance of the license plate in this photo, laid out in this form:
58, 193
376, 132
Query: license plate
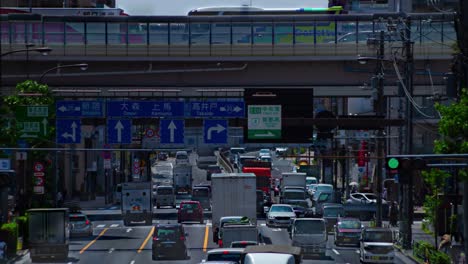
375, 257
189, 211
346, 239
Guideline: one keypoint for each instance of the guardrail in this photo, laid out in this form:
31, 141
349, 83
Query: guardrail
312, 35
224, 162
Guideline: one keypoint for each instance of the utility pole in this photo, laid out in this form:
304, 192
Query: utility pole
406, 216
379, 111
462, 36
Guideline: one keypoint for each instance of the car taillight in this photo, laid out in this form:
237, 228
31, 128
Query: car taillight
87, 222
220, 243
155, 238
182, 238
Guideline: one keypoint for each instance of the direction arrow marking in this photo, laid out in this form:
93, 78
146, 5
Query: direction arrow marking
62, 108
119, 128
171, 127
218, 128
73, 134
269, 134
44, 122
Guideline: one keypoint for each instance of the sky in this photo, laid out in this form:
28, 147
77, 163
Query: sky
182, 7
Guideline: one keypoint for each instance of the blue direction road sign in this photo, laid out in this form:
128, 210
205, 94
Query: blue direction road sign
171, 131
216, 109
79, 109
215, 131
145, 109
119, 131
68, 131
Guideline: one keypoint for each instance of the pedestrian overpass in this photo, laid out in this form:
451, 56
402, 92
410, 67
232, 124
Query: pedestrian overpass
159, 56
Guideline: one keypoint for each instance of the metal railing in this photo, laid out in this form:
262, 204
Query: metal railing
313, 35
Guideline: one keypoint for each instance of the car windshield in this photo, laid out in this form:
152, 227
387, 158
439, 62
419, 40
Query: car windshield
77, 218
378, 236
167, 233
164, 191
333, 212
349, 224
371, 196
201, 192
281, 209
309, 227
189, 206
321, 188
323, 197
222, 256
182, 156
294, 195
311, 181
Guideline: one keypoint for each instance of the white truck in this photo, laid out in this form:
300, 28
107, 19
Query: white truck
182, 178
296, 179
233, 194
233, 233
137, 202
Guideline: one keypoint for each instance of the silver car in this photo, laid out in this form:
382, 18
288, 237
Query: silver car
80, 225
280, 215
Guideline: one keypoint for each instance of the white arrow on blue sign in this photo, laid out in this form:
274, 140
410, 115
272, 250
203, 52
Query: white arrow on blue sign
68, 131
171, 131
119, 131
215, 131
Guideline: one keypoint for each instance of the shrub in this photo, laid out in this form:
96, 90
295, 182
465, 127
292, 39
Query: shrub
9, 233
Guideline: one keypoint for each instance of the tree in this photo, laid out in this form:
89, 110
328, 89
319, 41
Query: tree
27, 93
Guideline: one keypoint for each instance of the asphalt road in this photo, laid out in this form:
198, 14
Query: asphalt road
112, 242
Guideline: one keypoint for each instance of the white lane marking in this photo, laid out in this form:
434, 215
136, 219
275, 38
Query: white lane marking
357, 251
132, 262
111, 250
100, 226
276, 229
336, 251
263, 224
129, 229
114, 225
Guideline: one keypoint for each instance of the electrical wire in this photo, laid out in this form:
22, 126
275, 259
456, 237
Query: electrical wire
432, 86
416, 106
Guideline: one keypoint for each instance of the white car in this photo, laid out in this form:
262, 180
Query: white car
363, 198
321, 187
281, 215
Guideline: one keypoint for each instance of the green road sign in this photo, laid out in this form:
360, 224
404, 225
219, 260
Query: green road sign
33, 121
264, 121
393, 163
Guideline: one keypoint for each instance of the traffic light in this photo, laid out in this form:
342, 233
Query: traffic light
405, 163
402, 167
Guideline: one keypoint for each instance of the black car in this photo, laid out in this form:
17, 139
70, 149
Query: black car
169, 242
163, 156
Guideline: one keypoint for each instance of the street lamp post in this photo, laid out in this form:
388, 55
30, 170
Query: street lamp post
82, 66
42, 50
379, 104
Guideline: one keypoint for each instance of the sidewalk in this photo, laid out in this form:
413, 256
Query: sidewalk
20, 254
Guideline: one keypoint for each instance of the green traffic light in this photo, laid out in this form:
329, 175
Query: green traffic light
393, 163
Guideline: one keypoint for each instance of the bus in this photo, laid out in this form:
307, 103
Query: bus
284, 33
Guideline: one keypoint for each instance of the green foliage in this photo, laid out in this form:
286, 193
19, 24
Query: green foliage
426, 251
453, 127
11, 228
9, 105
436, 179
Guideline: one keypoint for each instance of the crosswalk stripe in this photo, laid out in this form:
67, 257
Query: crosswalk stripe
100, 226
114, 225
